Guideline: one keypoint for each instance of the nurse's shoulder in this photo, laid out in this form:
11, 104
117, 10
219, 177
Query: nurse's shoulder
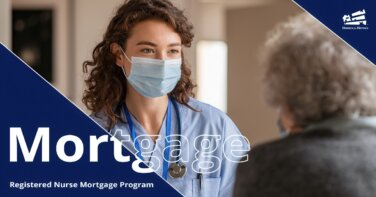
210, 117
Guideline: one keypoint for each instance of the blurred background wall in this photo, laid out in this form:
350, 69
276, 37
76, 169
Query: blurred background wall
247, 28
224, 55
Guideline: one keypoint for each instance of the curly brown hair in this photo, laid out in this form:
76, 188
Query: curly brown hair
315, 74
106, 87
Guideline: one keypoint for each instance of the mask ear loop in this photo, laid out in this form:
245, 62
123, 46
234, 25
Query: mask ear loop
125, 55
122, 67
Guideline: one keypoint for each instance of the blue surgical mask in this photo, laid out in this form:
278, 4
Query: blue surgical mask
153, 77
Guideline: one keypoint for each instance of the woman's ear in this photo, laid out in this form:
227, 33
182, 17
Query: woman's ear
116, 52
288, 120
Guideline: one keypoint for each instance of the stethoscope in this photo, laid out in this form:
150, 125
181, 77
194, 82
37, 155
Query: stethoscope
177, 169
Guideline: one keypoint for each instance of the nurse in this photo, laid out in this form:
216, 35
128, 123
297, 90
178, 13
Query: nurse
139, 89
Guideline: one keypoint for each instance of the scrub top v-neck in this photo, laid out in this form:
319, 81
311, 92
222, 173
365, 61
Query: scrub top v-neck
206, 121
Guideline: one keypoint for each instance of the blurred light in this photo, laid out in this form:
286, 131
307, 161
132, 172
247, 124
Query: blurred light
19, 25
30, 54
212, 73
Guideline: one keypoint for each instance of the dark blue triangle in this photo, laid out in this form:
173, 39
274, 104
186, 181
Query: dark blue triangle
29, 102
361, 37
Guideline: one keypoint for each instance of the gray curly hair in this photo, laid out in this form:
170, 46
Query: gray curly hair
315, 74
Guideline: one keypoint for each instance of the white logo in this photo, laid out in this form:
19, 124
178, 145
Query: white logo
356, 20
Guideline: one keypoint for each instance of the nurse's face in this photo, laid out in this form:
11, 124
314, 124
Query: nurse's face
151, 39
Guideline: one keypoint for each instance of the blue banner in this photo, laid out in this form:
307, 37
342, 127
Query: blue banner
352, 20
48, 147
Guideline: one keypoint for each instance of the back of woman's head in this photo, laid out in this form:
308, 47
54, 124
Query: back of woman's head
316, 74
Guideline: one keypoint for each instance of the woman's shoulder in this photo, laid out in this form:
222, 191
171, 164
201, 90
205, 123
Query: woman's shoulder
206, 111
204, 107
210, 115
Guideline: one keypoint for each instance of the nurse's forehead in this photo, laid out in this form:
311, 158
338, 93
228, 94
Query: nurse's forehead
154, 31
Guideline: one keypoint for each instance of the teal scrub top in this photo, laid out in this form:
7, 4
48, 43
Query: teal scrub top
211, 144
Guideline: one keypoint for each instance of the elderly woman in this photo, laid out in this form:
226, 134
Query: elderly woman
325, 93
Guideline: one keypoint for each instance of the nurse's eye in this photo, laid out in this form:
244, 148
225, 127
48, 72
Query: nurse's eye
174, 51
147, 51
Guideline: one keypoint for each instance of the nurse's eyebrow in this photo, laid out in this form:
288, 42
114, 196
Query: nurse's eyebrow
147, 43
174, 44
154, 45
